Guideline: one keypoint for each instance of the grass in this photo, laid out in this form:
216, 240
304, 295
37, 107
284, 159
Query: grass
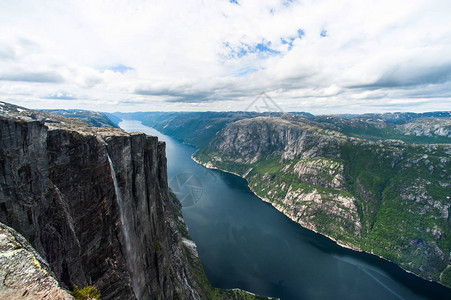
86, 293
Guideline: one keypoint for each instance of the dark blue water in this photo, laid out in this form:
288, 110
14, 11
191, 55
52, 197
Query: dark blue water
245, 243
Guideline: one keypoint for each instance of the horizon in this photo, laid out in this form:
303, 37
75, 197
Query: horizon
239, 111
322, 57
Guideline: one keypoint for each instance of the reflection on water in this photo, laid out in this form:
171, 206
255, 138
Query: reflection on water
245, 243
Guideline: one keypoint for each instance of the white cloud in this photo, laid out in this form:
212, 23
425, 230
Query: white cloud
195, 55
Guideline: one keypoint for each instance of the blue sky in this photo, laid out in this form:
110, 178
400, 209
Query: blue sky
320, 56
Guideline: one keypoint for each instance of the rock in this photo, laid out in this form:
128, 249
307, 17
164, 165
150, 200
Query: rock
252, 139
23, 272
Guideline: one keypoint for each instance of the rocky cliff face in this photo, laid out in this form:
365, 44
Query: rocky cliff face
429, 127
94, 203
384, 197
253, 139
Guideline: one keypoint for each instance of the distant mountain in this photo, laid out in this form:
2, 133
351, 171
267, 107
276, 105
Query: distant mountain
399, 117
93, 118
195, 128
198, 128
411, 128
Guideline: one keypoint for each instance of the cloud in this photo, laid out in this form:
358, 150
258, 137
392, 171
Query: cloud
177, 96
406, 77
321, 55
6, 53
290, 39
38, 77
61, 95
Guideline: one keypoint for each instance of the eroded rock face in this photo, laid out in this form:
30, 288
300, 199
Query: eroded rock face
427, 127
23, 273
252, 139
57, 189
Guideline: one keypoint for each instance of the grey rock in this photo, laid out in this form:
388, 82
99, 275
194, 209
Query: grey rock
23, 272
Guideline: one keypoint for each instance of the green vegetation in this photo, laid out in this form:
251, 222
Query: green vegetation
86, 293
446, 276
95, 119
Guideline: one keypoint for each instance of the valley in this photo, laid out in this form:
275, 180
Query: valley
383, 196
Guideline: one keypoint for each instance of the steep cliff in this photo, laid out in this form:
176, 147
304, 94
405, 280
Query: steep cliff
384, 197
94, 203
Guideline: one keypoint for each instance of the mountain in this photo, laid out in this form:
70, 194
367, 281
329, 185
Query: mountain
198, 128
95, 204
334, 175
93, 118
427, 128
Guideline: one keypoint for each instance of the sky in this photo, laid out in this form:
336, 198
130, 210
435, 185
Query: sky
318, 56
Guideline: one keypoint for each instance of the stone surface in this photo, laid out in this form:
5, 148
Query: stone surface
23, 273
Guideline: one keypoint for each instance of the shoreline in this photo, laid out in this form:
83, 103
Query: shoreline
350, 247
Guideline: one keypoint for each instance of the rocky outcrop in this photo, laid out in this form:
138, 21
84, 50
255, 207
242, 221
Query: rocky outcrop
427, 127
94, 203
254, 139
23, 273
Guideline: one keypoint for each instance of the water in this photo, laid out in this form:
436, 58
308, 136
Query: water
245, 243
